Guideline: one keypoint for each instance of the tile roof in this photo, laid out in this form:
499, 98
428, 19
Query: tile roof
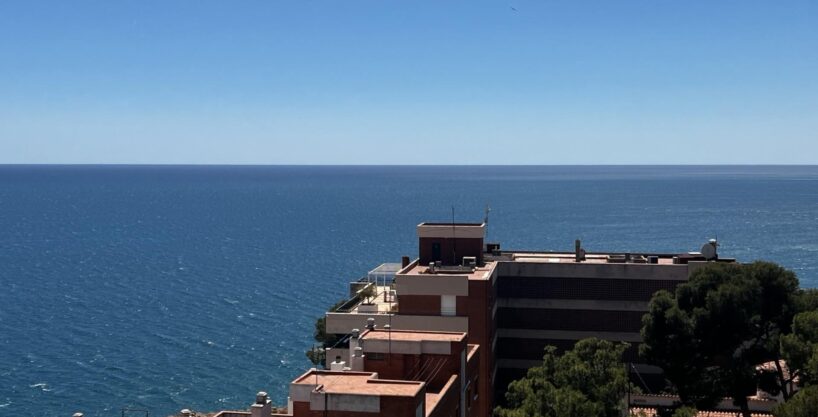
652, 412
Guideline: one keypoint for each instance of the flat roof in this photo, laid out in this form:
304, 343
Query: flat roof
413, 335
570, 257
652, 412
452, 230
433, 398
452, 224
358, 383
478, 273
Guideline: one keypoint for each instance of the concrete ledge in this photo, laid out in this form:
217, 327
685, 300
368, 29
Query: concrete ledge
448, 231
343, 323
432, 284
568, 335
526, 364
544, 303
591, 270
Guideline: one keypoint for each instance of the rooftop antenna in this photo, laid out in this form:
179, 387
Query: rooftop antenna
454, 241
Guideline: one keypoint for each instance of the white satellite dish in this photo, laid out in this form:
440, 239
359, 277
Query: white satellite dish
709, 250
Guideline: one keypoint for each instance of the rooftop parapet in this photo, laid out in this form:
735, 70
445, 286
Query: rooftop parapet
412, 342
351, 383
452, 230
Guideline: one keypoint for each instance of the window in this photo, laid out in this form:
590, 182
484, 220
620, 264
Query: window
375, 356
448, 305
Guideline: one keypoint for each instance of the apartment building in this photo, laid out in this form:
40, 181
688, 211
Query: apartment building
386, 372
513, 303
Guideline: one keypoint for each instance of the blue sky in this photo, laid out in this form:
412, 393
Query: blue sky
439, 82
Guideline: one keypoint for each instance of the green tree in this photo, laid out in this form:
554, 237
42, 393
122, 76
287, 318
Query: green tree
685, 412
316, 354
803, 404
800, 348
709, 336
588, 381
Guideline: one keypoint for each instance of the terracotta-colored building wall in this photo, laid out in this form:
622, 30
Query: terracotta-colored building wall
390, 406
435, 370
448, 404
392, 366
399, 406
478, 306
424, 305
475, 408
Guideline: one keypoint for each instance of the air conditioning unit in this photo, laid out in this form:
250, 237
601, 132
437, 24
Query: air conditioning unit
470, 261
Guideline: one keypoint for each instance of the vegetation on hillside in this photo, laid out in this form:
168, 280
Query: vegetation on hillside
588, 381
712, 333
709, 337
325, 340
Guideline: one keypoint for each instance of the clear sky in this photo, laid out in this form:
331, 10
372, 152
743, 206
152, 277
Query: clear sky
413, 82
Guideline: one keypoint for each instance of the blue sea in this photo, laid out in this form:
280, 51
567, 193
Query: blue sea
170, 287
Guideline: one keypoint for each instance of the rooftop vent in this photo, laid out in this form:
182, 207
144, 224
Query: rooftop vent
337, 364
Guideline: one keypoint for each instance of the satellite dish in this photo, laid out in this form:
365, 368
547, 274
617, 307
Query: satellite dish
709, 250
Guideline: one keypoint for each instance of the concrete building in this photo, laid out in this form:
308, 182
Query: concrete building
513, 303
386, 373
445, 334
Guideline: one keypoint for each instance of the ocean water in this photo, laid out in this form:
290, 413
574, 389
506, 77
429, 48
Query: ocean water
164, 288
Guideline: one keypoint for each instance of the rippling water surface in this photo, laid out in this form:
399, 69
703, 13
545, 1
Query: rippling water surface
194, 287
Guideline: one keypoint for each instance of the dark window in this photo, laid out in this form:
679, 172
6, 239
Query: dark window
436, 251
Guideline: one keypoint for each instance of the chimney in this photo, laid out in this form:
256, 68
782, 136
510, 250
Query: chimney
356, 362
579, 253
404, 262
353, 343
337, 365
263, 406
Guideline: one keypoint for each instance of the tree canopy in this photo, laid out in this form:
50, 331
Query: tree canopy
711, 333
800, 348
803, 404
588, 381
316, 354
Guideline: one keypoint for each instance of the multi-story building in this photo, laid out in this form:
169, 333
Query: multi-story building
396, 373
513, 303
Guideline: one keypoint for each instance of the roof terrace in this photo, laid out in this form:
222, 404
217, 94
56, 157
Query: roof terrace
413, 335
357, 383
473, 273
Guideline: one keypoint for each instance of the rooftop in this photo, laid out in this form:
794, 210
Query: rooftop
452, 230
652, 412
452, 224
358, 383
382, 303
413, 335
592, 258
433, 397
476, 273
